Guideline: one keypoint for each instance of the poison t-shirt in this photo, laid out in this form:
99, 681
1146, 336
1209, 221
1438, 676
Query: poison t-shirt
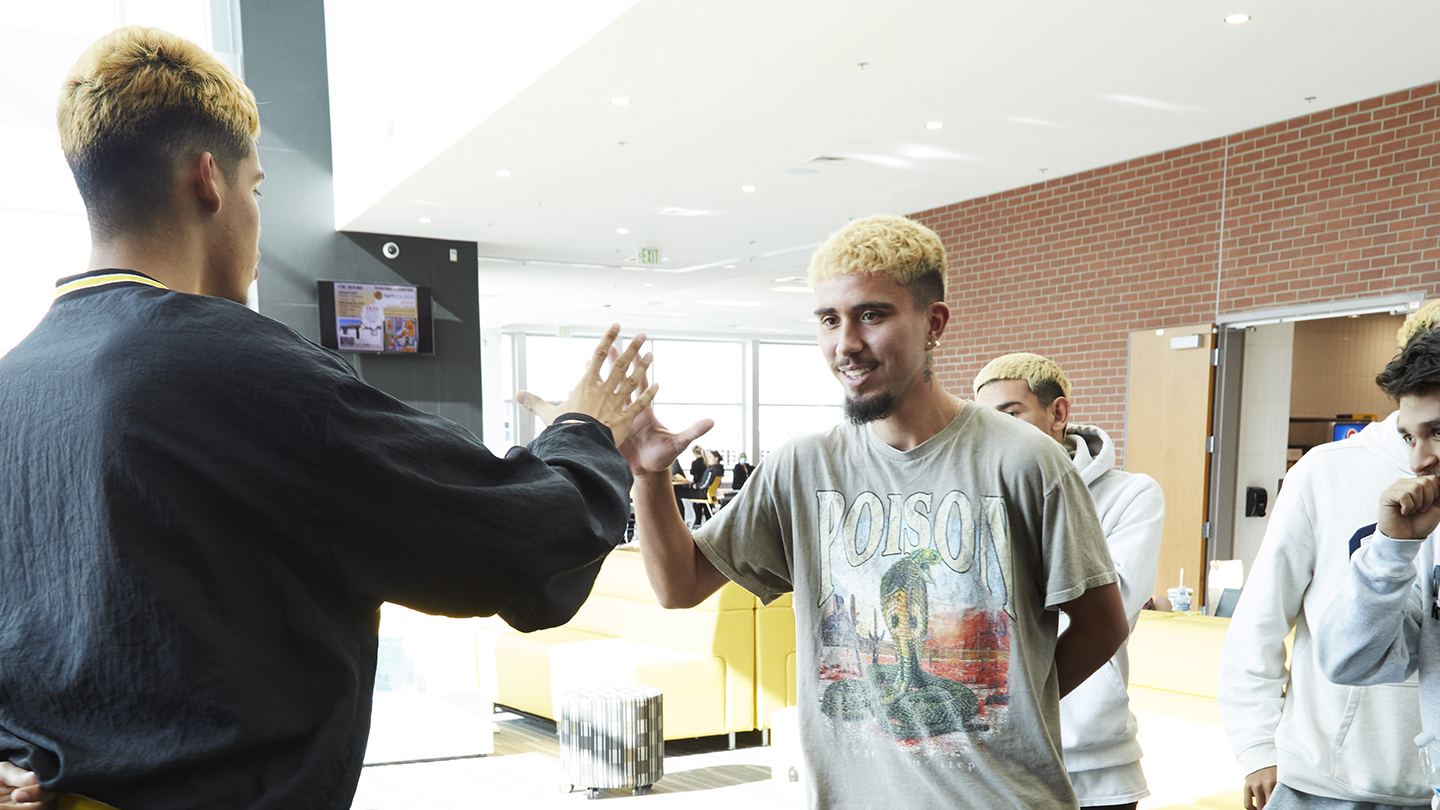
925, 584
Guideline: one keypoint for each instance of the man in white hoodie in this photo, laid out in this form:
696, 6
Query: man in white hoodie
1303, 740
1097, 728
1386, 622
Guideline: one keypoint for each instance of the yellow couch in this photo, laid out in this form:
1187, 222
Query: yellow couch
715, 663
1174, 686
774, 659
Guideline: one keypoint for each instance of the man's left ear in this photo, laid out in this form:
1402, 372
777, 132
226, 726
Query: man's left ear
205, 180
1060, 414
939, 313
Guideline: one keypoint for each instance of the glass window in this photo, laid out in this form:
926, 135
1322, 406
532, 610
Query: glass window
699, 372
793, 374
705, 379
726, 436
554, 364
798, 394
552, 367
781, 423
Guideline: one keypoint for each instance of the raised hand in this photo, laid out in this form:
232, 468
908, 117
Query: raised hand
612, 400
1410, 508
651, 447
20, 790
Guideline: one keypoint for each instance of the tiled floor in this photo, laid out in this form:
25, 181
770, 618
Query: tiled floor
524, 772
1188, 762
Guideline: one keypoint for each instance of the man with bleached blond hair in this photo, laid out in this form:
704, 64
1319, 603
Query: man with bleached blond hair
1418, 322
928, 543
203, 511
1097, 727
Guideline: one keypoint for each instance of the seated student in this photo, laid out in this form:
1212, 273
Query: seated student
204, 511
1386, 623
1302, 740
1097, 728
701, 490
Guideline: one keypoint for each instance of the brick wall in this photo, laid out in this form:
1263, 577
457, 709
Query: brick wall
1334, 206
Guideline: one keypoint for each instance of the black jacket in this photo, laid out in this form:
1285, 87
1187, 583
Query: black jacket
200, 515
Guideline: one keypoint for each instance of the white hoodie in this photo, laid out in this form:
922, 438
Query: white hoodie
1097, 729
1344, 742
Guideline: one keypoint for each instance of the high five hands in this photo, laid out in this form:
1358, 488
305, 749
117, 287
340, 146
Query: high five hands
610, 399
647, 445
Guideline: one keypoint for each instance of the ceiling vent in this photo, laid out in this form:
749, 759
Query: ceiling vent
822, 161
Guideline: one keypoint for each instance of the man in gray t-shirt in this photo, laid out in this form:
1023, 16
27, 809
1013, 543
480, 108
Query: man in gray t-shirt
929, 544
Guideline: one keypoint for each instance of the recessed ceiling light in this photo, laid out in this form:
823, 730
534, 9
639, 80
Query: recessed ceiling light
747, 189
729, 267
790, 289
424, 220
1236, 19
502, 172
620, 101
622, 231
935, 125
711, 302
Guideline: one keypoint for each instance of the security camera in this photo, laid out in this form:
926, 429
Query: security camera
390, 250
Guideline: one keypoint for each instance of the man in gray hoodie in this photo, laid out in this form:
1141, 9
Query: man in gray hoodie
1097, 728
1386, 623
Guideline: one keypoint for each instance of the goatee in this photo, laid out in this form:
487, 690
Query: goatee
869, 409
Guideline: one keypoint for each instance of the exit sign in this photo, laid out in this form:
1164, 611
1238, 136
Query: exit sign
649, 255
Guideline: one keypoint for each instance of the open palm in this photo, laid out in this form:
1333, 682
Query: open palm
651, 447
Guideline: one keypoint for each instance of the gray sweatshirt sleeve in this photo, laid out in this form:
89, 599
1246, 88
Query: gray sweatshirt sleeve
1374, 634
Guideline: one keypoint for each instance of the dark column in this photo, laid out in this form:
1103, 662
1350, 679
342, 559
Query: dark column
284, 54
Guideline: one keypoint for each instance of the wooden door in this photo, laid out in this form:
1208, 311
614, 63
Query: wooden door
1167, 424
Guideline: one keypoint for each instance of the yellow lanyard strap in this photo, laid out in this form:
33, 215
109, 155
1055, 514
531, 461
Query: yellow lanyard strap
72, 801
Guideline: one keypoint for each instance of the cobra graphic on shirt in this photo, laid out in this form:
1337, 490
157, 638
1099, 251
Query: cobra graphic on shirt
916, 607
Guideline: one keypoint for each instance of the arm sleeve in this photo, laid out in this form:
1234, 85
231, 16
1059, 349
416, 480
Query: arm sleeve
1373, 635
1253, 675
747, 540
1134, 541
427, 517
1076, 556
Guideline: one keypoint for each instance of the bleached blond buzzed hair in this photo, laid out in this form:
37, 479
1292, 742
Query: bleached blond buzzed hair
1420, 321
1044, 377
909, 253
138, 104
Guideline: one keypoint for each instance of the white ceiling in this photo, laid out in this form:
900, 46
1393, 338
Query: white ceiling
751, 92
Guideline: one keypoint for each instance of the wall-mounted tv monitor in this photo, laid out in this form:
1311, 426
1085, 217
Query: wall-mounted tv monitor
1344, 430
377, 318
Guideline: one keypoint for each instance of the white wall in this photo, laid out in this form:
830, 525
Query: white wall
1264, 428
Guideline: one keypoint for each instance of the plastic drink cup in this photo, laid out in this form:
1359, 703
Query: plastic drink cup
1180, 599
